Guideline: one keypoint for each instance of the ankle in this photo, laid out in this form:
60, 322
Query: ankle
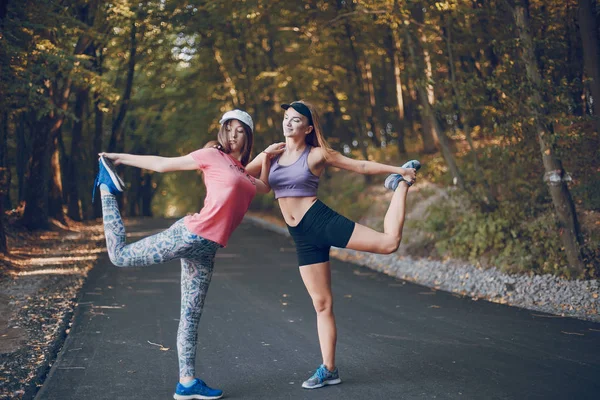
104, 191
403, 185
186, 379
329, 366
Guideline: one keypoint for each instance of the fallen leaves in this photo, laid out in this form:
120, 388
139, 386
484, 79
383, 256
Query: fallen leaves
43, 274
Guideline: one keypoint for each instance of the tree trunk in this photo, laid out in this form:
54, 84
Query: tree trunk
4, 163
335, 117
371, 111
116, 138
427, 125
3, 11
4, 185
228, 81
22, 154
483, 20
359, 68
96, 210
588, 29
4, 178
574, 70
133, 191
72, 186
240, 63
555, 175
429, 116
35, 215
430, 139
55, 194
394, 50
147, 194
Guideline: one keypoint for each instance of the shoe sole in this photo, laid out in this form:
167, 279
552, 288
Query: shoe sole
108, 165
326, 383
388, 181
194, 397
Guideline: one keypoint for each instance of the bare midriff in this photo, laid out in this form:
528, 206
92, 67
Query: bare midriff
294, 208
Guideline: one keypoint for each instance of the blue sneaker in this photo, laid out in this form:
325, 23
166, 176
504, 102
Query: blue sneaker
107, 174
322, 377
198, 390
393, 180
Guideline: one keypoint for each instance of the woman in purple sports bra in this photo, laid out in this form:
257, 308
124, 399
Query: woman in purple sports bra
294, 177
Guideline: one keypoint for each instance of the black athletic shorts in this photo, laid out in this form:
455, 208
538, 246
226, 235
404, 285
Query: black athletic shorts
319, 229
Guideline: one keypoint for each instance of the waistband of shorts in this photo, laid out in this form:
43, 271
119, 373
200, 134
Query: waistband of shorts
315, 208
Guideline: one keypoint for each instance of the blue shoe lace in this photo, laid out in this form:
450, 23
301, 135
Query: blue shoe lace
321, 373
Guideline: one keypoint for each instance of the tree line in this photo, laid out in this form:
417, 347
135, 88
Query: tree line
507, 92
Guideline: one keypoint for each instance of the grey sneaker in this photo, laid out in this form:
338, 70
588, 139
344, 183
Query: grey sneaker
322, 377
393, 180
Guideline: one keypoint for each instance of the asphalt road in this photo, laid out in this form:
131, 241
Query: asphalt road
258, 338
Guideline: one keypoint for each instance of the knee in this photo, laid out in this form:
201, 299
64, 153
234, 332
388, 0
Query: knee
323, 304
117, 261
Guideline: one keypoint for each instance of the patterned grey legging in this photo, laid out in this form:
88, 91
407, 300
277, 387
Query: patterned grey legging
197, 260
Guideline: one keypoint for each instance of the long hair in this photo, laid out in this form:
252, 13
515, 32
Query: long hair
223, 140
316, 138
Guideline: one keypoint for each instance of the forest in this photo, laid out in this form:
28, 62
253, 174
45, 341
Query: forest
499, 99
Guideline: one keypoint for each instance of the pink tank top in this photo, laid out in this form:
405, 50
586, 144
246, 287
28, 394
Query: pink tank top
295, 180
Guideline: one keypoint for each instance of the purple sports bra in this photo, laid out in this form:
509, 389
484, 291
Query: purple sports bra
295, 180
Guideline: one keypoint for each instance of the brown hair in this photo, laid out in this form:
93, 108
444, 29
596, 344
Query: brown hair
316, 138
223, 141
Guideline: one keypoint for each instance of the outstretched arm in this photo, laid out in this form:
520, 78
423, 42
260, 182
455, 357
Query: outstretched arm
364, 167
153, 163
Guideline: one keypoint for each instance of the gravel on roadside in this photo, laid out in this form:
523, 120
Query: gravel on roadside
544, 293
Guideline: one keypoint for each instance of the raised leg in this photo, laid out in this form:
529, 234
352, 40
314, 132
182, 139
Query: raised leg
366, 239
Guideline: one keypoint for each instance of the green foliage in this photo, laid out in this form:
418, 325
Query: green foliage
506, 238
589, 192
195, 60
179, 194
345, 193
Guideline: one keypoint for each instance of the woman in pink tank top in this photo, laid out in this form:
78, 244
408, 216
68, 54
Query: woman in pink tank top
194, 239
294, 177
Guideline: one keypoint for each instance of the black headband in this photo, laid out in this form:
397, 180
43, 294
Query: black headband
301, 108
